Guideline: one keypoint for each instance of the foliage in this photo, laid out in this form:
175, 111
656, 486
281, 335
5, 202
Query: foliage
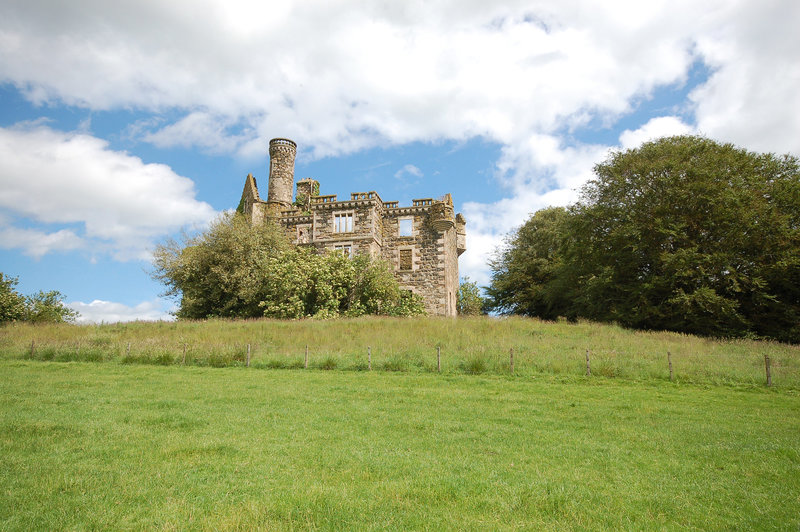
48, 307
682, 234
216, 272
237, 269
42, 307
12, 303
300, 283
470, 302
524, 271
301, 201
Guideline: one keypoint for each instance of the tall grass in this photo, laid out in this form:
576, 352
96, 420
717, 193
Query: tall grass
467, 345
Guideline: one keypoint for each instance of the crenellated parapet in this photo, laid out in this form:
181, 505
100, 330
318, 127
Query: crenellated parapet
442, 214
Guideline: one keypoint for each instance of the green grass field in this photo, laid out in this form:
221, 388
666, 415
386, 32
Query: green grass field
108, 446
94, 436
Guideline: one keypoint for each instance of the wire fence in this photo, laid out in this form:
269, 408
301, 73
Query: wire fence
734, 369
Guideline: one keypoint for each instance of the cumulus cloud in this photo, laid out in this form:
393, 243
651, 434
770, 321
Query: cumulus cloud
120, 203
663, 126
38, 243
99, 311
751, 97
341, 76
540, 172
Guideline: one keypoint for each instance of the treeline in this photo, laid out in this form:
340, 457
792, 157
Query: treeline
41, 307
682, 234
240, 270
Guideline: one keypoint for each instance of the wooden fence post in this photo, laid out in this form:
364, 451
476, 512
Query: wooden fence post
369, 357
669, 361
306, 363
769, 373
33, 347
248, 355
588, 368
128, 350
439, 358
184, 354
511, 355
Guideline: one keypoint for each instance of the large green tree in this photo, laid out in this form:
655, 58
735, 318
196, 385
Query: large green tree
239, 269
525, 269
682, 233
42, 307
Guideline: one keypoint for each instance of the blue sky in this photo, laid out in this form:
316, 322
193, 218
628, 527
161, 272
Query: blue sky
123, 124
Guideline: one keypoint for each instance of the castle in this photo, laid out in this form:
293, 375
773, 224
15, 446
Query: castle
421, 243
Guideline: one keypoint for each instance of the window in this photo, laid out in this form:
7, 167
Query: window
406, 259
343, 223
405, 227
346, 249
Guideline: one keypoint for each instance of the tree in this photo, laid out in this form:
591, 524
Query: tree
217, 273
12, 303
48, 307
42, 307
239, 269
525, 270
470, 302
684, 234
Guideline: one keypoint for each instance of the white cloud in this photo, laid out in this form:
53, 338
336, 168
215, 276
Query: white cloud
121, 203
540, 173
99, 311
408, 170
752, 96
38, 243
663, 126
340, 76
212, 133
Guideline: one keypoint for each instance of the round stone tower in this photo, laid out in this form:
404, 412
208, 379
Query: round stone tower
281, 171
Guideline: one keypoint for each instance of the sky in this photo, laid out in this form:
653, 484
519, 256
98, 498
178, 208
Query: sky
126, 123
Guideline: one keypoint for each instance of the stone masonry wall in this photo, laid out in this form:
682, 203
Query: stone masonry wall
450, 260
281, 171
426, 276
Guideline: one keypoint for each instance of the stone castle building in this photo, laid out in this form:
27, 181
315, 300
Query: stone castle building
420, 242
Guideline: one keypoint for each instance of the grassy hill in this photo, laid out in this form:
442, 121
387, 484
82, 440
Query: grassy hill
114, 443
472, 345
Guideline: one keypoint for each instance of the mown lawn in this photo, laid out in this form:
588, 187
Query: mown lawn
108, 446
